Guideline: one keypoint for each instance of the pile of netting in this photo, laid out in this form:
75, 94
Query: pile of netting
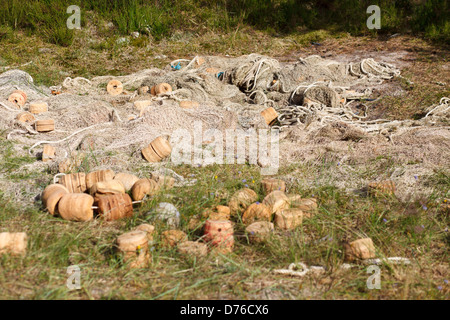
230, 93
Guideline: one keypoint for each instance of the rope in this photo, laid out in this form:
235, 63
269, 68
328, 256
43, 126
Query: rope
443, 103
56, 176
75, 82
293, 270
21, 132
382, 70
392, 260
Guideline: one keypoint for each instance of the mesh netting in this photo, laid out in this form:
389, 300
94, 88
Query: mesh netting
310, 94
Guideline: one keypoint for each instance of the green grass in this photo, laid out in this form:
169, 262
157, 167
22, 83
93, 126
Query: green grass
397, 229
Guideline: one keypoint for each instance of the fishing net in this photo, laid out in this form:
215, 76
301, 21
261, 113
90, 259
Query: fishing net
316, 99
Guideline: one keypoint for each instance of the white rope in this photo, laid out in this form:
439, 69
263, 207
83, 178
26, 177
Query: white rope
444, 102
8, 108
383, 70
66, 138
56, 176
15, 131
293, 270
393, 260
69, 82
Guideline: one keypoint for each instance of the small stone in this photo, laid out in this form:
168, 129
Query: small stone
122, 40
135, 34
168, 213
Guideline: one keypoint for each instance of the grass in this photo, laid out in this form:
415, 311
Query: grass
161, 19
397, 229
417, 229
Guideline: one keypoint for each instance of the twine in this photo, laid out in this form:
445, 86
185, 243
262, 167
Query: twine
293, 268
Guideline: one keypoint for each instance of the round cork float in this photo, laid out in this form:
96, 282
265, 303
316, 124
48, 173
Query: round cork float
115, 206
18, 98
127, 179
132, 241
219, 234
109, 187
114, 87
256, 212
217, 213
241, 199
276, 200
44, 125
76, 207
25, 117
143, 187
148, 229
51, 196
22, 93
162, 88
360, 249
288, 219
98, 176
38, 107
270, 115
74, 182
259, 231
157, 150
133, 246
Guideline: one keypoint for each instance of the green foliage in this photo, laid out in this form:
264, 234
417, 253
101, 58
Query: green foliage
162, 18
